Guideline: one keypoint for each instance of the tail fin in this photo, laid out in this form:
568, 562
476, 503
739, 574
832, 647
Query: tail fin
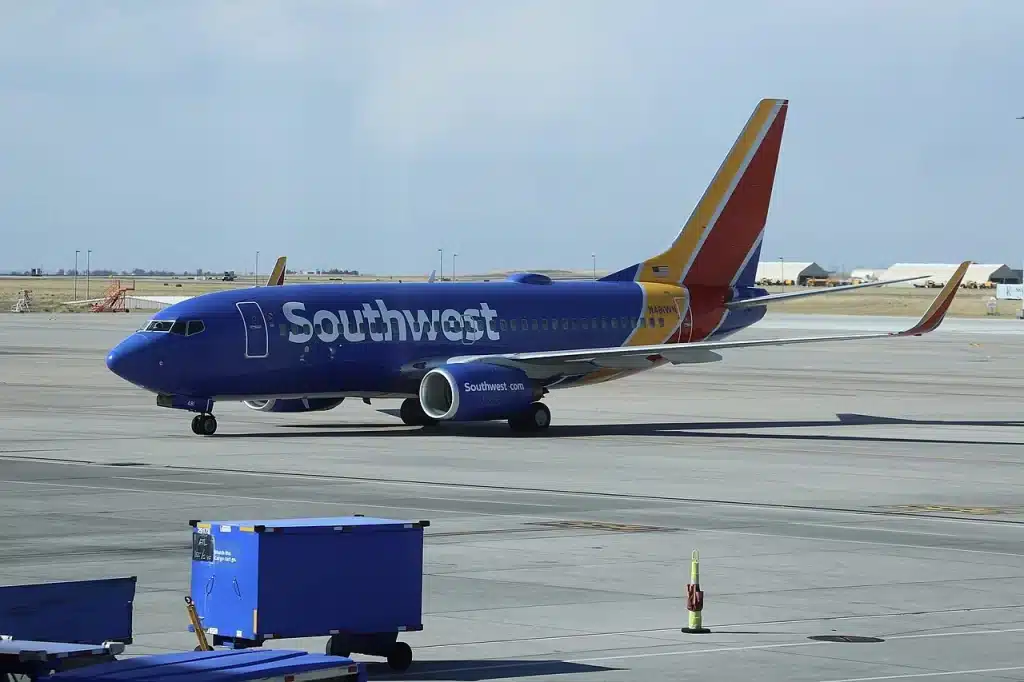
276, 278
720, 244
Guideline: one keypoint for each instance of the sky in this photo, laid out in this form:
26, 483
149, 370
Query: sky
521, 134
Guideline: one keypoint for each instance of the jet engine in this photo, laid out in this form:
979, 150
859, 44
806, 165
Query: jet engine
294, 404
476, 392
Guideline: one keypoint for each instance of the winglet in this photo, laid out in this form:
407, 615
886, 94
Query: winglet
276, 278
936, 312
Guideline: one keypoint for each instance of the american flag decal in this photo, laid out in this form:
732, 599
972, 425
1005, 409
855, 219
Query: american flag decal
660, 269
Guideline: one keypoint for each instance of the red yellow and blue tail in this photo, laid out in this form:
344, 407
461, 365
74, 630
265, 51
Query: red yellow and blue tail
719, 245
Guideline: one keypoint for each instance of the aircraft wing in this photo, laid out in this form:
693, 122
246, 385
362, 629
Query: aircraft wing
761, 300
704, 351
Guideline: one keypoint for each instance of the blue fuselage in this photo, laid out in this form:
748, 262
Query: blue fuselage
364, 339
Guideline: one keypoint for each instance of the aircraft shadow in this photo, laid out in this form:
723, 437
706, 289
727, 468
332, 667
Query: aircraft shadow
479, 670
714, 429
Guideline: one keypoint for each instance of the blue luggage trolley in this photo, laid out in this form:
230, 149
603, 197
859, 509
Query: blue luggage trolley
354, 578
265, 665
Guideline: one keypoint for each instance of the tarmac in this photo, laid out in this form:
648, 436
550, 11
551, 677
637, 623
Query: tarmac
848, 490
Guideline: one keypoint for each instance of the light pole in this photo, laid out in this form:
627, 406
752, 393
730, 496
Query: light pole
256, 273
440, 273
454, 256
88, 270
77, 251
782, 272
593, 264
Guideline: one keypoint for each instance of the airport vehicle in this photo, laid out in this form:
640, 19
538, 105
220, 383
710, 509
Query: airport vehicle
472, 351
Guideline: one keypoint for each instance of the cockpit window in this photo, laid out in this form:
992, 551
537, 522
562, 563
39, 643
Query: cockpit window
181, 327
159, 326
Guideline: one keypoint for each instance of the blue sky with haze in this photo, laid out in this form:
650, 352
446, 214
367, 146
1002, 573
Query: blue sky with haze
520, 133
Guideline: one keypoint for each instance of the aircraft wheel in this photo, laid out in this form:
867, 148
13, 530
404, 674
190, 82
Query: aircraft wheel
195, 424
412, 413
205, 424
537, 417
400, 657
540, 416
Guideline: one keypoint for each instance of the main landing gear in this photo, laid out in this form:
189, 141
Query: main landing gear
537, 417
204, 425
412, 413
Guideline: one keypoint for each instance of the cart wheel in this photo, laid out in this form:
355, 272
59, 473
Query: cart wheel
336, 647
400, 657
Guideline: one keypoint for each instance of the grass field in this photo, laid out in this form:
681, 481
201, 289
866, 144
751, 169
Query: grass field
50, 293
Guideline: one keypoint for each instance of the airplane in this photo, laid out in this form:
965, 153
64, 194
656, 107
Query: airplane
485, 351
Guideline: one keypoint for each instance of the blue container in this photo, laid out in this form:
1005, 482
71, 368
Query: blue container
79, 612
356, 578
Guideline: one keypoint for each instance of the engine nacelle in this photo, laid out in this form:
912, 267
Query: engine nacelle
294, 404
476, 392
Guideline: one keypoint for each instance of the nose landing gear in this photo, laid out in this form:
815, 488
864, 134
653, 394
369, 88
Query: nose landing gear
204, 425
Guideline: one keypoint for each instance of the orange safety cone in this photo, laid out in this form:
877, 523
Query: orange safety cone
694, 598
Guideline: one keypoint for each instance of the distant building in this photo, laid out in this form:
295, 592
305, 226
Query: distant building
939, 273
867, 274
784, 271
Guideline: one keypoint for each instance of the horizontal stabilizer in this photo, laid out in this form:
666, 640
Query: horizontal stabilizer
772, 298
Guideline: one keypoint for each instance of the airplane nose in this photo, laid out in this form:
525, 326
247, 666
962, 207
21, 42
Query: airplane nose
127, 359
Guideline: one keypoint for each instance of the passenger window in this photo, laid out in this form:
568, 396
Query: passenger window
504, 325
394, 329
615, 323
604, 323
492, 325
593, 323
586, 323
643, 322
544, 324
652, 323
525, 324
178, 327
533, 325
195, 327
661, 321
575, 323
513, 325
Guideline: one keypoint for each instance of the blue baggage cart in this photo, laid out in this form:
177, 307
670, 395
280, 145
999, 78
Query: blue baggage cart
36, 659
357, 579
222, 666
78, 611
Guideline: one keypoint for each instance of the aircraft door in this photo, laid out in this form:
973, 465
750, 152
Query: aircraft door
685, 330
257, 337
